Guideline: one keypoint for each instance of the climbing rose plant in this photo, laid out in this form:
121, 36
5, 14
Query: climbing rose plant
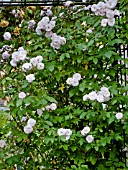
59, 69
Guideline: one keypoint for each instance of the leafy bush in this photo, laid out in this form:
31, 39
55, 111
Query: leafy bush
68, 103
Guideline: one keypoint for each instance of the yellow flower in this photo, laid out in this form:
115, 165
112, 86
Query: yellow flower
86, 67
4, 23
21, 13
13, 70
62, 87
16, 30
33, 8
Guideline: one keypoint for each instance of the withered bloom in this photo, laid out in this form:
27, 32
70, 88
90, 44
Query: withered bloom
4, 23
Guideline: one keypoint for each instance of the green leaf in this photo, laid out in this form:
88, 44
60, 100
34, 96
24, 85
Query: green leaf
50, 99
50, 66
95, 60
81, 141
108, 54
73, 148
49, 123
114, 101
65, 147
90, 42
46, 116
73, 167
19, 102
83, 115
71, 92
67, 55
103, 142
77, 24
88, 147
111, 119
62, 57
8, 78
82, 86
93, 160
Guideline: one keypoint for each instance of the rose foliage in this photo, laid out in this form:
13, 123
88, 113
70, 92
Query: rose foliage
60, 71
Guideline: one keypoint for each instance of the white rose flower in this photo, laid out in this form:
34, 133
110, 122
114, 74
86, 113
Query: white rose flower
86, 8
104, 91
53, 18
45, 20
30, 78
110, 13
77, 76
53, 22
26, 67
34, 61
40, 25
22, 54
104, 88
89, 31
116, 12
38, 31
47, 107
40, 66
48, 34
69, 81
31, 122
49, 27
53, 106
39, 111
61, 132
55, 43
68, 3
75, 82
5, 55
68, 132
85, 131
67, 137
31, 24
85, 97
49, 12
24, 118
92, 95
13, 11
62, 40
104, 22
111, 22
104, 106
111, 4
39, 58
89, 138
13, 63
15, 56
22, 95
21, 49
28, 129
2, 143
100, 98
101, 5
94, 8
119, 116
7, 36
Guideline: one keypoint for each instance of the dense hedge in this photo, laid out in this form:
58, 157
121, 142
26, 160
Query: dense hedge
59, 69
